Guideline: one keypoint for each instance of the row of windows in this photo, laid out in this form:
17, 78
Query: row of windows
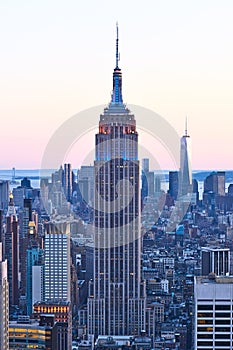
217, 307
216, 336
216, 329
216, 314
211, 322
216, 343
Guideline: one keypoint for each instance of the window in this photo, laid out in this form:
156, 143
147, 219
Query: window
205, 307
222, 307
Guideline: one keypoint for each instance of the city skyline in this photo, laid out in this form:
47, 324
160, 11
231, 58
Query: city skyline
176, 60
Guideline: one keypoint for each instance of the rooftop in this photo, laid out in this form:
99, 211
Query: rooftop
212, 278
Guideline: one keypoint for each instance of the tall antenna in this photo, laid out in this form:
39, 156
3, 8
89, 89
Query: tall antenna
117, 39
186, 126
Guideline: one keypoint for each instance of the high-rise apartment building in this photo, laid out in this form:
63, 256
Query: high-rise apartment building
26, 217
68, 181
185, 175
34, 266
216, 260
145, 165
213, 300
4, 303
116, 304
12, 252
57, 261
37, 284
215, 182
4, 194
173, 184
85, 177
151, 182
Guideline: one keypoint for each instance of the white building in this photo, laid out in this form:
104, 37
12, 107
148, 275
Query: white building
57, 261
213, 312
165, 285
37, 284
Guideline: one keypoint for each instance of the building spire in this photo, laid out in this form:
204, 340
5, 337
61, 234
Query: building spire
117, 40
11, 207
186, 127
117, 76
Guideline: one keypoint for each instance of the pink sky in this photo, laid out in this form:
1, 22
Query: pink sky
57, 60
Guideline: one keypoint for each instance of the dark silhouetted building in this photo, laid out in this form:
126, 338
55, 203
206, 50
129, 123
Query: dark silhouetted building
215, 182
12, 253
173, 184
4, 194
4, 303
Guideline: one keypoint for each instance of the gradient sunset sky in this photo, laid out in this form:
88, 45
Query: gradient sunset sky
57, 59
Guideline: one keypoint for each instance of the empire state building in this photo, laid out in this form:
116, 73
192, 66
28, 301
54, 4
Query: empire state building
116, 303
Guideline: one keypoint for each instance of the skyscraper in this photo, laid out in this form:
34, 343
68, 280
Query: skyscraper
4, 194
215, 182
4, 303
150, 182
173, 184
213, 300
116, 304
34, 266
85, 177
185, 176
68, 181
145, 165
12, 252
26, 216
216, 260
57, 261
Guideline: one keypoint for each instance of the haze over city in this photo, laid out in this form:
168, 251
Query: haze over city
176, 59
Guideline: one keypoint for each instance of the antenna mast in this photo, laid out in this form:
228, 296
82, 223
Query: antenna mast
117, 39
186, 126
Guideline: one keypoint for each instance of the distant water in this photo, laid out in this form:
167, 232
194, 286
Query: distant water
33, 175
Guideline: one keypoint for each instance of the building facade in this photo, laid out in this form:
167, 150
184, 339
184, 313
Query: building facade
215, 182
213, 297
173, 184
12, 253
57, 261
216, 260
68, 181
4, 303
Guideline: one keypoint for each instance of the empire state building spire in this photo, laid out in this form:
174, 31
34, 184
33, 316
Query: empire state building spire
117, 77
